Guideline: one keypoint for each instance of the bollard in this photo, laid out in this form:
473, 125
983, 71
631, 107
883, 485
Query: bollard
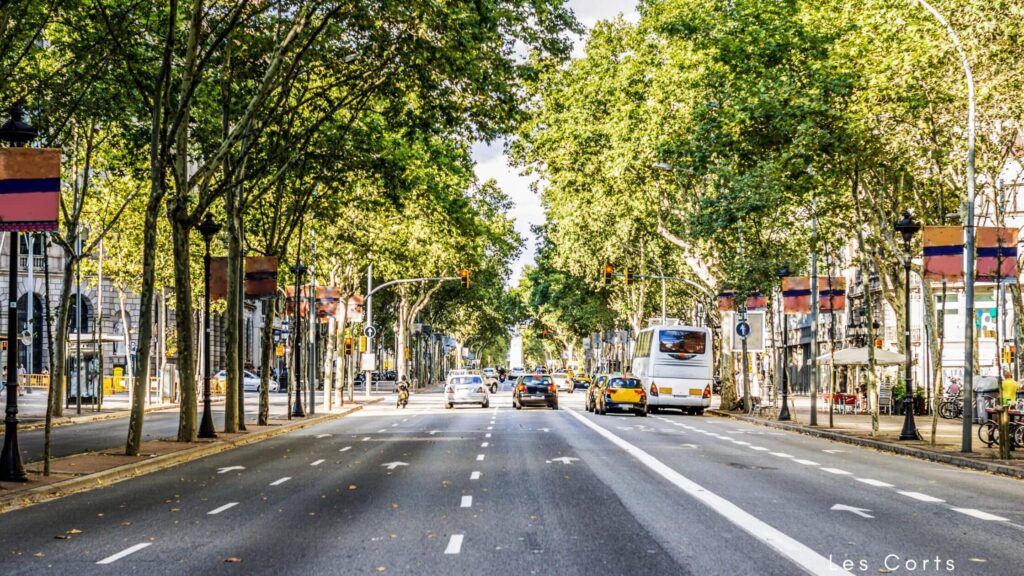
1005, 441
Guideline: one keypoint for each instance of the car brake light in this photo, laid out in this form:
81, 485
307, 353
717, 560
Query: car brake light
654, 389
522, 387
707, 392
551, 388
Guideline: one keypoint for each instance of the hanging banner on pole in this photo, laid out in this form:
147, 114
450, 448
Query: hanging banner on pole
218, 285
260, 277
727, 301
29, 189
997, 253
831, 294
289, 302
943, 253
355, 308
796, 295
327, 299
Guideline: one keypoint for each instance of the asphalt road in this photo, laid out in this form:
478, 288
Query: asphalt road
499, 491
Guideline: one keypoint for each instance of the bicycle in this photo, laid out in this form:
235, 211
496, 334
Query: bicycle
988, 431
951, 407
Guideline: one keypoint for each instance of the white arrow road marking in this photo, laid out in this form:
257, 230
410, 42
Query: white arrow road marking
833, 451
565, 459
454, 545
797, 552
862, 512
281, 481
467, 502
125, 552
345, 449
317, 463
229, 469
981, 515
222, 508
475, 475
322, 435
393, 465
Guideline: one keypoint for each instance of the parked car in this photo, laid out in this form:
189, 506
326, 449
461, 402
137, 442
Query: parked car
535, 389
469, 389
622, 392
250, 381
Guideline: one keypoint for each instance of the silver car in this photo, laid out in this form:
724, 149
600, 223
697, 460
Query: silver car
466, 390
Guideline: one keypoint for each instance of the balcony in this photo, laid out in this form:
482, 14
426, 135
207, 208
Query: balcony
37, 262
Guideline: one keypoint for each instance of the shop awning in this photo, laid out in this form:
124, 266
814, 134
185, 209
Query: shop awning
859, 357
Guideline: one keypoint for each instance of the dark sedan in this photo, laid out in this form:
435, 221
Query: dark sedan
535, 390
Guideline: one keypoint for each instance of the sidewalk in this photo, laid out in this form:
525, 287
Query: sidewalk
92, 470
856, 429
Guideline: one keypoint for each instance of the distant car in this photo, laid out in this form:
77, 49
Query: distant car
490, 372
581, 382
468, 389
535, 389
562, 381
621, 392
453, 373
517, 372
250, 381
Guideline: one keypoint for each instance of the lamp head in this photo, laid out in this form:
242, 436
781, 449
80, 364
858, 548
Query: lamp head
907, 226
16, 130
208, 227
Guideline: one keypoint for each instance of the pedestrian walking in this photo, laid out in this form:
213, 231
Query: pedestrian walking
1008, 389
21, 379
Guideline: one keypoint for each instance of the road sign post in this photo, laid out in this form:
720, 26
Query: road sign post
743, 330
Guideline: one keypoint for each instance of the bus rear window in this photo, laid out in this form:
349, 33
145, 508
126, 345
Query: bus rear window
682, 342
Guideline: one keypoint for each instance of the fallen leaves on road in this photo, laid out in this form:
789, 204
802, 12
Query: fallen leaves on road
394, 505
126, 523
381, 568
352, 486
232, 559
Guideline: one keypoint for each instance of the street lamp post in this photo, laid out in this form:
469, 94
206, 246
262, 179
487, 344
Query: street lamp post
208, 228
17, 133
299, 270
907, 227
784, 411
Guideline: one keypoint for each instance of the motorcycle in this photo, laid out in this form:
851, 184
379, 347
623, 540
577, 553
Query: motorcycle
403, 396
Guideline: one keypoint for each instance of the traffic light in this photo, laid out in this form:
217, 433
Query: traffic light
608, 271
348, 345
464, 277
627, 276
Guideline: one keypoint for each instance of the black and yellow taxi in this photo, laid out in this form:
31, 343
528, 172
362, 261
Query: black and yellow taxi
621, 392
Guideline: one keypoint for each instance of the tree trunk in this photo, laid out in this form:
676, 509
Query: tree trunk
184, 329
57, 377
267, 356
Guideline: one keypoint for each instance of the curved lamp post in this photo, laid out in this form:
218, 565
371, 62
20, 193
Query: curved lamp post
17, 133
784, 411
907, 227
299, 270
208, 228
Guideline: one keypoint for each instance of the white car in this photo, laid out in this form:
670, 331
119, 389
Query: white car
490, 373
469, 389
517, 372
250, 381
562, 381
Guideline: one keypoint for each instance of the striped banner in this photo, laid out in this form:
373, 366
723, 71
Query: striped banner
831, 294
327, 300
260, 277
29, 189
796, 295
997, 253
943, 253
727, 301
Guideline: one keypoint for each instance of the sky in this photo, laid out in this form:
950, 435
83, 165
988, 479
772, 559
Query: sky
490, 158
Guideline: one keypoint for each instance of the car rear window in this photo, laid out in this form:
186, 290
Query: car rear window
467, 380
682, 342
536, 379
624, 383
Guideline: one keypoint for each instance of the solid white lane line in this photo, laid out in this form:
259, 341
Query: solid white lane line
317, 463
837, 471
322, 435
981, 515
467, 502
806, 462
479, 457
222, 508
475, 475
488, 435
781, 454
484, 445
921, 497
454, 545
872, 482
366, 439
799, 553
125, 552
280, 481
345, 449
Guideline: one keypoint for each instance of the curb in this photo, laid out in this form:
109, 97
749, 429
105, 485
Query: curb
883, 446
127, 471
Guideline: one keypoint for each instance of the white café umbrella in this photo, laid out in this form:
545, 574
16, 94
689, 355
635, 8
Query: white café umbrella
859, 357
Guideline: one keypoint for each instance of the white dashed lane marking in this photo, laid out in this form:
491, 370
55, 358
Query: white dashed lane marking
454, 544
488, 435
981, 515
836, 471
281, 481
759, 448
479, 457
921, 497
781, 454
876, 483
806, 462
222, 508
130, 550
366, 439
467, 502
484, 445
322, 435
317, 463
345, 449
475, 475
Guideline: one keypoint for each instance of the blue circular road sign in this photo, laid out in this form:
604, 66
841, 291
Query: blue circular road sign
743, 328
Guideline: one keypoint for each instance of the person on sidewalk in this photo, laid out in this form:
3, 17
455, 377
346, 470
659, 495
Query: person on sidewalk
1008, 389
21, 379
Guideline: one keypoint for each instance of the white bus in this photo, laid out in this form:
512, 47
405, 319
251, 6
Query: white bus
675, 365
